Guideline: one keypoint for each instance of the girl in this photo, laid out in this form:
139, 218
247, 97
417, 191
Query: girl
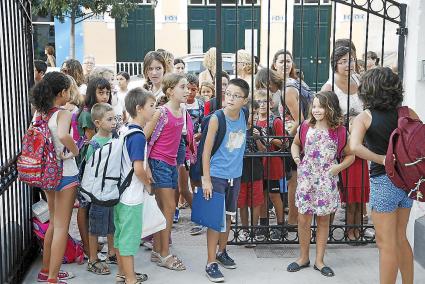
73, 68
209, 63
381, 91
162, 162
206, 91
47, 96
317, 192
356, 177
123, 78
154, 67
179, 66
75, 99
98, 91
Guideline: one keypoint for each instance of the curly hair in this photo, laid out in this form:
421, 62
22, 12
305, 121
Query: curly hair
245, 58
209, 59
262, 79
293, 72
169, 60
75, 70
381, 89
43, 94
333, 113
75, 97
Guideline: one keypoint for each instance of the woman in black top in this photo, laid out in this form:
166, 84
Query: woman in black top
382, 93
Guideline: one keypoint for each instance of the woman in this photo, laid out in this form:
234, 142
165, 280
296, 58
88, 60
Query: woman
50, 53
346, 83
245, 67
209, 63
381, 91
73, 68
179, 66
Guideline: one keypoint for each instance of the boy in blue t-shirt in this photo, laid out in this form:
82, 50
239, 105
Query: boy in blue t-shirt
140, 104
223, 171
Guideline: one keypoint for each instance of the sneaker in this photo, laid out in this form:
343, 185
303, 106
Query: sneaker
272, 214
213, 273
233, 219
225, 260
148, 244
62, 275
244, 236
369, 234
275, 235
176, 216
197, 230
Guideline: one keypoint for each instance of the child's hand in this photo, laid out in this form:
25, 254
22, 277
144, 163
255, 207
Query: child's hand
335, 169
256, 133
149, 175
207, 187
197, 137
66, 156
148, 189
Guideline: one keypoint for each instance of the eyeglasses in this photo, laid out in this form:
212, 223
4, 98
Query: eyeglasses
346, 62
233, 96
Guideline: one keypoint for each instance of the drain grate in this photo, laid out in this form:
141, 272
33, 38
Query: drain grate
276, 251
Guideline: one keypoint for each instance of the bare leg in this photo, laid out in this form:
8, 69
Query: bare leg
93, 247
351, 209
222, 243
304, 235
83, 228
404, 251
111, 249
184, 185
293, 211
244, 215
321, 239
212, 242
49, 233
167, 206
278, 206
127, 264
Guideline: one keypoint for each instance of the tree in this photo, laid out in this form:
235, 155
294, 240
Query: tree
80, 10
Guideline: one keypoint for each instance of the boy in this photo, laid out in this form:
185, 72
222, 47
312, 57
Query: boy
222, 172
251, 192
100, 217
40, 68
140, 105
271, 126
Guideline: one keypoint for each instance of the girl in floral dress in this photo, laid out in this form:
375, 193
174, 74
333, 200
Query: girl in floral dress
319, 140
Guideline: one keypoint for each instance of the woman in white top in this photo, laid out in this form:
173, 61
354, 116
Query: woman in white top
245, 67
356, 182
154, 68
209, 63
52, 92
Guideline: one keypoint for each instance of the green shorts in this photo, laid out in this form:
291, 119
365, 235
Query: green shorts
128, 228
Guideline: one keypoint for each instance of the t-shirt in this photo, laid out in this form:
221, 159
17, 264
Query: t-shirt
100, 140
85, 121
196, 112
135, 147
276, 164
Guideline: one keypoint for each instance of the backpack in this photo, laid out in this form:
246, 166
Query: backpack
340, 133
102, 181
405, 159
79, 140
305, 95
221, 132
38, 164
74, 249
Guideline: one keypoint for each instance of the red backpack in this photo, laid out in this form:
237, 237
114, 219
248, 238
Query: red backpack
38, 165
405, 159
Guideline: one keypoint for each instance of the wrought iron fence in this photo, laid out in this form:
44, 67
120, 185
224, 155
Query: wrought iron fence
17, 246
317, 25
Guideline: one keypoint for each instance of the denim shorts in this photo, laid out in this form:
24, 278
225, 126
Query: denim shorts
101, 220
181, 153
67, 182
385, 197
83, 203
164, 175
230, 188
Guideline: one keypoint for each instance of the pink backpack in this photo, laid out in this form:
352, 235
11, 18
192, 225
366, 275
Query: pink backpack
340, 133
74, 250
38, 165
405, 159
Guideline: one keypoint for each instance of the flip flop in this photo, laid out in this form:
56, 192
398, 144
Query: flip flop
294, 267
326, 271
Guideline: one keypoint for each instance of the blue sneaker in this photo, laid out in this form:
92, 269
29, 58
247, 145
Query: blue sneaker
225, 260
213, 273
176, 215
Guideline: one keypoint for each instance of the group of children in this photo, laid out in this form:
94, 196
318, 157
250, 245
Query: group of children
173, 105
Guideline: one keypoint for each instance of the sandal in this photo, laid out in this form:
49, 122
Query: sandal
98, 267
326, 271
171, 262
294, 267
111, 259
155, 257
139, 277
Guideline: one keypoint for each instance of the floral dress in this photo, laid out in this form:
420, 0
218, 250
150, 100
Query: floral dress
317, 191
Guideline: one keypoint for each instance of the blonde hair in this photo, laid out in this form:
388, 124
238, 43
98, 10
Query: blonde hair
75, 96
209, 59
170, 81
260, 94
100, 72
245, 58
169, 60
99, 110
208, 85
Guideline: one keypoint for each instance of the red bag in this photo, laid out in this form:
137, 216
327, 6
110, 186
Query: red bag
405, 159
38, 165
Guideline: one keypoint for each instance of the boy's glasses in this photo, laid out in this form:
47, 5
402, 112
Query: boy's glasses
233, 96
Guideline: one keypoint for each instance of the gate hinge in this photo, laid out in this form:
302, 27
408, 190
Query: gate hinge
403, 31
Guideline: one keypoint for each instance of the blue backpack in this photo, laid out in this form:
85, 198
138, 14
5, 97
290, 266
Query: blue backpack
196, 169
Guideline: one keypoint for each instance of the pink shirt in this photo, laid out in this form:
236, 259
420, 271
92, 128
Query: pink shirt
167, 145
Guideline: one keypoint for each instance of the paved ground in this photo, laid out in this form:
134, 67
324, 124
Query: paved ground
265, 264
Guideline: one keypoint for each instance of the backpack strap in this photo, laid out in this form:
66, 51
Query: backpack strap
246, 113
341, 133
221, 131
403, 111
163, 119
302, 133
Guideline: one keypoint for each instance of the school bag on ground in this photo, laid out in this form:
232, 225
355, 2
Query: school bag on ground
405, 159
74, 250
219, 136
305, 95
103, 181
38, 164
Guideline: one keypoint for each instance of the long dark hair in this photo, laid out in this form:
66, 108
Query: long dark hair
93, 85
333, 113
293, 73
75, 70
43, 94
147, 61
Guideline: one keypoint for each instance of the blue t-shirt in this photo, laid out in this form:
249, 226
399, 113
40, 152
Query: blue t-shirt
228, 160
136, 144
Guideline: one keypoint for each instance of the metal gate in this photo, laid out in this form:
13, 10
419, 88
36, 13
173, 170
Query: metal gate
17, 246
373, 25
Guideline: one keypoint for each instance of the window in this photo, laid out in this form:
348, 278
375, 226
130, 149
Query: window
311, 2
249, 2
196, 2
224, 2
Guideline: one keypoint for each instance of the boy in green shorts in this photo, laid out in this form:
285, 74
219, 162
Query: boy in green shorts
139, 104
